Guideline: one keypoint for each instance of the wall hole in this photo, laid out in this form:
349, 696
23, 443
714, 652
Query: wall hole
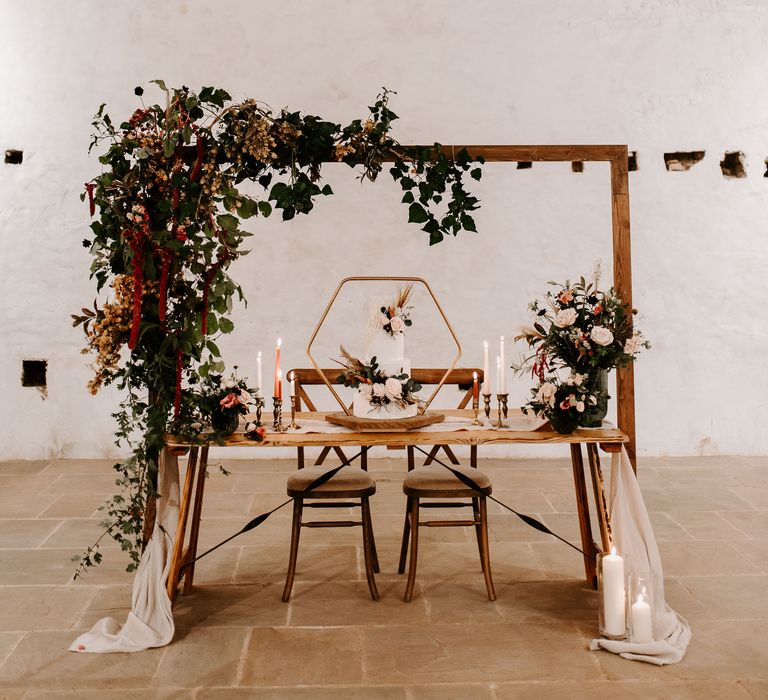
524, 165
632, 161
34, 373
577, 166
732, 164
14, 157
682, 160
765, 174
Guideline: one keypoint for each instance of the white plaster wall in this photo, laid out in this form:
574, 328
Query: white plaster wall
659, 75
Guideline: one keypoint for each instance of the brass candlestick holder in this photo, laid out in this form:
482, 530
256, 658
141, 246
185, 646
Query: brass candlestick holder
258, 413
294, 402
277, 413
487, 406
502, 412
476, 410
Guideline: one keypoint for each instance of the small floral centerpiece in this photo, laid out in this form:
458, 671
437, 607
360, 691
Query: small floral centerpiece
395, 317
562, 401
579, 327
375, 386
221, 401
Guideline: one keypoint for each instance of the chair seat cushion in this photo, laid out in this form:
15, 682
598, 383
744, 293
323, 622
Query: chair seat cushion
347, 482
435, 478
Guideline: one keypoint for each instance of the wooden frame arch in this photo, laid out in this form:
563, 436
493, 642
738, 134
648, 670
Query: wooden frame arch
616, 155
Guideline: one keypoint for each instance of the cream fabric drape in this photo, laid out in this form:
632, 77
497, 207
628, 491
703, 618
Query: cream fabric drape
633, 536
150, 622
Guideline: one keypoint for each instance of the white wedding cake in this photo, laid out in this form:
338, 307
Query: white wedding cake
385, 342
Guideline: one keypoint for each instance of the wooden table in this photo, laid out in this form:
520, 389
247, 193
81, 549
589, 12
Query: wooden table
608, 438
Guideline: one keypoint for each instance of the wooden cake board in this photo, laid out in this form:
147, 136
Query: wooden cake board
384, 425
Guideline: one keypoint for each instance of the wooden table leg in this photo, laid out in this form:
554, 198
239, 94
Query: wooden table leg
601, 503
582, 506
194, 530
178, 543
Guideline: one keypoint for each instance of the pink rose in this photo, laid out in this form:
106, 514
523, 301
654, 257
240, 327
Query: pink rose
396, 324
230, 400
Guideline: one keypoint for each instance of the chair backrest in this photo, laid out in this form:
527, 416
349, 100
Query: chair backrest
461, 377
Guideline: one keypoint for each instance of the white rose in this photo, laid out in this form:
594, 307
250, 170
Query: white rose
365, 391
394, 388
565, 318
633, 344
396, 324
379, 390
601, 335
575, 379
580, 406
546, 393
230, 384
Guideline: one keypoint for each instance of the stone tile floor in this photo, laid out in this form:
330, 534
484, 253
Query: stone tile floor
235, 639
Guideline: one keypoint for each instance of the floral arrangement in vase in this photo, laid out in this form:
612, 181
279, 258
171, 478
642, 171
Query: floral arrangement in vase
563, 402
396, 317
585, 330
379, 389
222, 401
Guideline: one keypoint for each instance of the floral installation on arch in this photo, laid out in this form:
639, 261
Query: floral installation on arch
377, 387
167, 209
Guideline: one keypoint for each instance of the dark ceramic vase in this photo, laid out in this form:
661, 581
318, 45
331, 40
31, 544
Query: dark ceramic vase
225, 422
563, 422
593, 414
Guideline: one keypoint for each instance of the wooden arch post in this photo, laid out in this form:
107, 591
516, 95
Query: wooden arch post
616, 155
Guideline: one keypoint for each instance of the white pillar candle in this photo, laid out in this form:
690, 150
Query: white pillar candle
503, 379
614, 608
642, 628
258, 373
486, 375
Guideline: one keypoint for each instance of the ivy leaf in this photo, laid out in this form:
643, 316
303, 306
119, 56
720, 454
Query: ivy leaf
225, 325
326, 190
468, 223
417, 214
265, 208
407, 198
476, 173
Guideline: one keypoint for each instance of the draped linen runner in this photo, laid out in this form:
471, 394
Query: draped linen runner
633, 536
150, 622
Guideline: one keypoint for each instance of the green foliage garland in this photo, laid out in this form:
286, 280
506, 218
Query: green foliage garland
168, 211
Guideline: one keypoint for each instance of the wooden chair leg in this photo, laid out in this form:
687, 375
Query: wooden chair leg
411, 461
364, 459
178, 544
448, 451
414, 511
478, 530
367, 549
485, 554
374, 551
473, 456
321, 457
197, 511
295, 534
406, 534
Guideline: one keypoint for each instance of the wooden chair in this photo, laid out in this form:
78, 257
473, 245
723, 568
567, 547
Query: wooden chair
434, 481
459, 377
349, 483
311, 377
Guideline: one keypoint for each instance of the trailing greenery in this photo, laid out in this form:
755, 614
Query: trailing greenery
168, 211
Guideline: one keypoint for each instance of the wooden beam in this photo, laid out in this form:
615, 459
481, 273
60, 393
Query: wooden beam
622, 282
516, 154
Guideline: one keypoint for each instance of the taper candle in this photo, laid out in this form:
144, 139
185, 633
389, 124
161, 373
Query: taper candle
258, 373
486, 376
503, 378
498, 375
279, 385
292, 384
278, 375
475, 393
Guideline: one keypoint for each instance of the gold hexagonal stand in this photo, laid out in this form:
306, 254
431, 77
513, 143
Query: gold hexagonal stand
372, 424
